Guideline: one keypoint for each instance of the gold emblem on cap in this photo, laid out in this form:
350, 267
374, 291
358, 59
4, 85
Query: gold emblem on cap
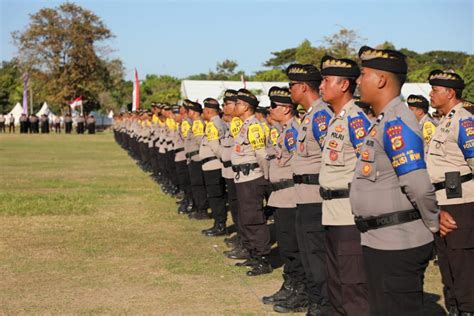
414, 100
297, 70
336, 63
443, 76
374, 53
279, 93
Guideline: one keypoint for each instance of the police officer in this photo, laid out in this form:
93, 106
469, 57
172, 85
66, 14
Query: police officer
419, 105
182, 171
233, 124
23, 123
391, 194
251, 170
11, 124
210, 153
196, 175
306, 163
2, 123
291, 297
450, 165
347, 286
80, 124
68, 123
91, 124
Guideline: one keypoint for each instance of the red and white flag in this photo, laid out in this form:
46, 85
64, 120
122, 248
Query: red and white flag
136, 93
77, 102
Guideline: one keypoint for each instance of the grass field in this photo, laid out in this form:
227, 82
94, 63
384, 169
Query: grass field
85, 231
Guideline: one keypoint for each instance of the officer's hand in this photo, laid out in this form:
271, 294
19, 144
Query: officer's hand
446, 223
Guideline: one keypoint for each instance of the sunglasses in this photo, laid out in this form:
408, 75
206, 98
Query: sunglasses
291, 84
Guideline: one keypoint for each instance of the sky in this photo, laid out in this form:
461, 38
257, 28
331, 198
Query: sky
185, 37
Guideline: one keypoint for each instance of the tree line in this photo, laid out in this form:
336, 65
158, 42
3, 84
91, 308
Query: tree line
65, 53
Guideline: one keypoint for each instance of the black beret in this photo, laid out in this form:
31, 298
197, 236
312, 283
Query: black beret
211, 103
418, 101
247, 96
187, 102
383, 59
195, 106
303, 72
175, 109
331, 66
280, 95
230, 95
446, 79
166, 107
261, 109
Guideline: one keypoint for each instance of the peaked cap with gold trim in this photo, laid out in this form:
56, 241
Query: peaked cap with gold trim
280, 95
383, 59
211, 103
418, 101
331, 66
247, 96
303, 72
446, 79
230, 95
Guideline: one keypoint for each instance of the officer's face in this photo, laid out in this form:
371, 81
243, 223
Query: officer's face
330, 88
296, 91
439, 96
240, 108
229, 107
367, 83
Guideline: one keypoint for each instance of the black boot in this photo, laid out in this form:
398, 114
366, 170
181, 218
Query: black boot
252, 262
218, 230
262, 267
315, 310
296, 303
238, 253
199, 215
205, 231
233, 241
182, 207
282, 294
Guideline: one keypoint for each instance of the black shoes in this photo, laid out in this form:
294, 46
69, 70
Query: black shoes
199, 215
282, 294
238, 253
297, 302
262, 266
233, 241
315, 310
216, 230
247, 263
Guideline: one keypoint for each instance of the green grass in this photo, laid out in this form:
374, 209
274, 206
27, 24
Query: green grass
85, 231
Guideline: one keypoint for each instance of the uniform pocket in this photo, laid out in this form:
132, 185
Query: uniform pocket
437, 145
302, 146
351, 263
334, 153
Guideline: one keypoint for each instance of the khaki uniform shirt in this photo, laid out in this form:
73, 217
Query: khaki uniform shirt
210, 145
452, 149
311, 134
391, 176
344, 138
428, 128
227, 145
280, 167
249, 148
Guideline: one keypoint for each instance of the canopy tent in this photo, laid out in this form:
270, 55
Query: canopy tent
198, 90
17, 111
45, 110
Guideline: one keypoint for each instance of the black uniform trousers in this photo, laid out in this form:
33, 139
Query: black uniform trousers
456, 258
252, 221
215, 188
347, 285
232, 200
197, 185
68, 127
2, 127
285, 231
91, 128
395, 279
183, 178
80, 128
311, 242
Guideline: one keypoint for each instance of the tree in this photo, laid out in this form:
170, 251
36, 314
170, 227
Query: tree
159, 89
60, 50
344, 44
282, 59
269, 75
468, 71
11, 86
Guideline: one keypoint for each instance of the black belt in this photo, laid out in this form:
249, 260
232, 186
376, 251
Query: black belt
270, 157
227, 164
244, 168
391, 219
178, 150
208, 159
306, 178
442, 185
192, 153
169, 143
282, 185
333, 194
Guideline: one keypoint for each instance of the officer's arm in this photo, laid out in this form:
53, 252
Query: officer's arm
466, 140
404, 148
262, 161
256, 137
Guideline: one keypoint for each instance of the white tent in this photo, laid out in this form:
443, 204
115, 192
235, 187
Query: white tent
198, 90
45, 110
17, 111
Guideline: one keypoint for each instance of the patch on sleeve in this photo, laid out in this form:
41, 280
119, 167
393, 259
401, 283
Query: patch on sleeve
428, 131
256, 136
358, 127
198, 128
320, 126
291, 135
185, 127
212, 133
403, 147
466, 137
